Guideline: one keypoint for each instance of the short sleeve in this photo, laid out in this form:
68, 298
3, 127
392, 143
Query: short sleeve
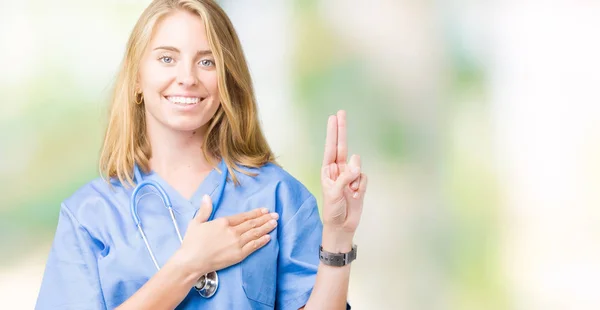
299, 240
71, 278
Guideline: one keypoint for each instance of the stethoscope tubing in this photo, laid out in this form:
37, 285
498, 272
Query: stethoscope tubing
207, 284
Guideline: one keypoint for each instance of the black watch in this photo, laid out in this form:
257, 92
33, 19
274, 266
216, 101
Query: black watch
337, 259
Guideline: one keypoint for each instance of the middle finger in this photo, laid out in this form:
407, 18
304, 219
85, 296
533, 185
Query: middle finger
255, 233
342, 144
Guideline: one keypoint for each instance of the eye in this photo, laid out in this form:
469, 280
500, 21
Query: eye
166, 59
207, 63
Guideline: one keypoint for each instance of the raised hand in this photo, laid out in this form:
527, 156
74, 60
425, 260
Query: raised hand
343, 186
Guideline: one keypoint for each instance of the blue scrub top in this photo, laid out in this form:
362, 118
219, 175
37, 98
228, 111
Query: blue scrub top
98, 258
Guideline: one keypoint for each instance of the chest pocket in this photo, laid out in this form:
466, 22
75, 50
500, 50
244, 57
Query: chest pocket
259, 276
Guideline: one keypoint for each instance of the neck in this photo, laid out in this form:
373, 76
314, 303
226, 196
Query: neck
177, 153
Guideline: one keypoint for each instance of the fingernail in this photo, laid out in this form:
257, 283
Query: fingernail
355, 195
267, 237
205, 198
354, 185
354, 170
273, 223
264, 210
274, 215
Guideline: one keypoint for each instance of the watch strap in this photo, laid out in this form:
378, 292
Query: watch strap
337, 259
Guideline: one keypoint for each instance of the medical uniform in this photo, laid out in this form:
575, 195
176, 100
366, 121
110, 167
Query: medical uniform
98, 258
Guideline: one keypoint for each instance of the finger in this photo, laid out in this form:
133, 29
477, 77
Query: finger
254, 245
325, 173
363, 187
330, 141
355, 162
258, 232
205, 210
237, 219
330, 172
345, 178
355, 184
342, 145
256, 222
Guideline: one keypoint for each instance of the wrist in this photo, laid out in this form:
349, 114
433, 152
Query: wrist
189, 269
336, 240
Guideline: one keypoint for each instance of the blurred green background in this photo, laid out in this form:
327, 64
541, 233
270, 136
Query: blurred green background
477, 123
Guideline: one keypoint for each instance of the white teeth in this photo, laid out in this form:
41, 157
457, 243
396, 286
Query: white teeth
184, 100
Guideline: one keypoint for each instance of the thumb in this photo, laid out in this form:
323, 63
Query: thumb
346, 177
205, 210
354, 162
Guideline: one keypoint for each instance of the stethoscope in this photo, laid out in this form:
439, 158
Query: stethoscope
207, 284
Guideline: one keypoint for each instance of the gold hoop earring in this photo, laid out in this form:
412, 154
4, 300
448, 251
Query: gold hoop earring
141, 98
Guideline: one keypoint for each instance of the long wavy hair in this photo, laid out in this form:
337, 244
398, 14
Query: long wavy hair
234, 133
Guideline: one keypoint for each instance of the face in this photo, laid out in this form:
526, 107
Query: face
177, 75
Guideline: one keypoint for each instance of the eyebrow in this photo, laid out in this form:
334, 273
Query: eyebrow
174, 49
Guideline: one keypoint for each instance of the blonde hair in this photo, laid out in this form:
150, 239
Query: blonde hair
233, 134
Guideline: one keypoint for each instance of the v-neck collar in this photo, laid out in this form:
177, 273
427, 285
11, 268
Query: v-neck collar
182, 205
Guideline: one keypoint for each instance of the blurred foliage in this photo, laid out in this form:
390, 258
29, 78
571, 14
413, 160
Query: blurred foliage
469, 184
326, 79
464, 242
60, 142
58, 133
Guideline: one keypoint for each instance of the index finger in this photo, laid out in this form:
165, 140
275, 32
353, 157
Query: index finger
330, 141
237, 219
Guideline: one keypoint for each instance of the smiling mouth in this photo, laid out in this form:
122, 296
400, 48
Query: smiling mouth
179, 100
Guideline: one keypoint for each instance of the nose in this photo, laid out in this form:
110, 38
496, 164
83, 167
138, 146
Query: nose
187, 77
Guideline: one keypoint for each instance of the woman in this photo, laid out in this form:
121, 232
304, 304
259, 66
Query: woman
183, 115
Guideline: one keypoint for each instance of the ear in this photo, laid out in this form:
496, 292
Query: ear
136, 88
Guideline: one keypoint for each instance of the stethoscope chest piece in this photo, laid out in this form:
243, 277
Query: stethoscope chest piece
207, 285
